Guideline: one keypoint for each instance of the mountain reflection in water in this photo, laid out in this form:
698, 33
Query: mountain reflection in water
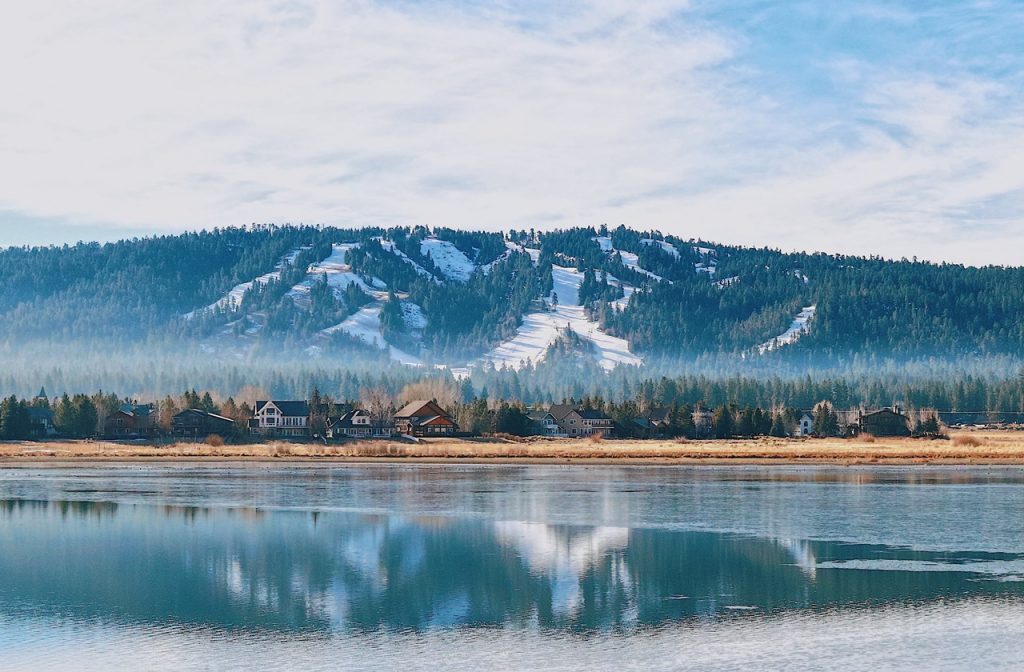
335, 571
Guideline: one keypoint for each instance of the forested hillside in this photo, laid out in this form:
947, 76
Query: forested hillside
474, 302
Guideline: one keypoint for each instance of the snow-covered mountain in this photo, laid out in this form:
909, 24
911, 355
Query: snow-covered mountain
463, 300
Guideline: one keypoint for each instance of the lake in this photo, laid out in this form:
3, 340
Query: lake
269, 566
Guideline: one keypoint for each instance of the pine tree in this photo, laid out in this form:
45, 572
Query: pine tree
778, 429
724, 424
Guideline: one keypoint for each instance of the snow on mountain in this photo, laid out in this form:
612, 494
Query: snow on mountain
627, 291
800, 274
413, 316
365, 326
233, 298
540, 329
449, 259
629, 259
339, 276
632, 261
726, 282
666, 246
390, 247
799, 327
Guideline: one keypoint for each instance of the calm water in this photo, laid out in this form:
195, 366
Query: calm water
256, 567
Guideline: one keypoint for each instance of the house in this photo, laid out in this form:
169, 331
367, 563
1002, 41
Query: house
40, 419
130, 420
281, 418
656, 423
885, 422
424, 418
805, 426
660, 420
197, 424
357, 424
573, 421
544, 423
703, 423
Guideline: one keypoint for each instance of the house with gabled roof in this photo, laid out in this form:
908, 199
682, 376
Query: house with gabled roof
543, 423
425, 418
280, 418
575, 421
130, 420
357, 424
197, 424
885, 422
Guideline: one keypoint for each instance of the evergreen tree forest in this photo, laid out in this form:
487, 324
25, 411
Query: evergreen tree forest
150, 316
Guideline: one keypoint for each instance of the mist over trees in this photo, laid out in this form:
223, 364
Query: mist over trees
129, 316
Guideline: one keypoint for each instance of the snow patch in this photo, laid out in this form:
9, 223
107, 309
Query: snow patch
540, 329
664, 245
389, 246
365, 326
233, 299
726, 282
799, 327
629, 259
449, 259
339, 276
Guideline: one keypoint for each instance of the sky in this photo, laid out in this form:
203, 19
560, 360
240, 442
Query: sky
887, 128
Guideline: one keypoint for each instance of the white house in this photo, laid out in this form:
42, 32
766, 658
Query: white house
806, 426
281, 418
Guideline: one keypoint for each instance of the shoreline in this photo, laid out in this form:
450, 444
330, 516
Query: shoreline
989, 448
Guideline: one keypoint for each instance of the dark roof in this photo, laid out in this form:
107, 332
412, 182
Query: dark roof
883, 411
205, 414
413, 408
559, 411
139, 410
346, 420
591, 414
658, 415
289, 408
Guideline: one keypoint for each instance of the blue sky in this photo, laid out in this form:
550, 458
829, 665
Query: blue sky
892, 128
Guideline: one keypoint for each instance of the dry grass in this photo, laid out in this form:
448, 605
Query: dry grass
967, 441
966, 447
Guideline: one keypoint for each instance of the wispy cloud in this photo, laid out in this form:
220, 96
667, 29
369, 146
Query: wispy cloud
734, 123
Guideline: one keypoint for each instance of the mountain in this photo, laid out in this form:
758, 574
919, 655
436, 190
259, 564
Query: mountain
462, 299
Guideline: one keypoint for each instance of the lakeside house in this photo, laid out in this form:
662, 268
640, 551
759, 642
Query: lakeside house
543, 423
280, 418
425, 418
130, 420
805, 426
357, 424
575, 421
197, 424
885, 422
703, 423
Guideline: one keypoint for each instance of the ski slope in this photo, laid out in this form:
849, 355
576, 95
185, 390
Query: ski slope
665, 246
389, 246
365, 326
339, 276
799, 327
629, 259
540, 329
449, 259
233, 298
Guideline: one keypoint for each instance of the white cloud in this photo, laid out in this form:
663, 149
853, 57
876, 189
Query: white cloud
166, 116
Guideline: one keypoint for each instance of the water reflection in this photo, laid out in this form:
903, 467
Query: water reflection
237, 567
